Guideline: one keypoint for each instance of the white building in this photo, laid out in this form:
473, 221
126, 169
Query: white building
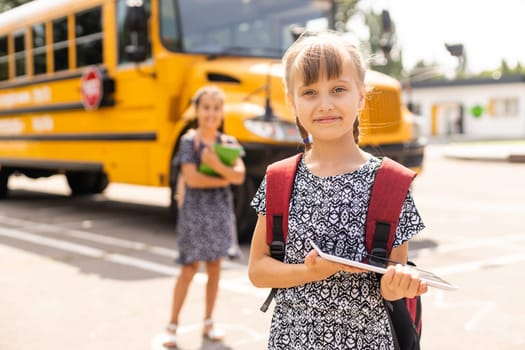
476, 107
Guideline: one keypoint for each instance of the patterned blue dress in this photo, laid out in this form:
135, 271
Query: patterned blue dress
206, 220
345, 311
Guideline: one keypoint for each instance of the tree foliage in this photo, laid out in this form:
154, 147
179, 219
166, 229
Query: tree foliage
381, 45
344, 10
9, 4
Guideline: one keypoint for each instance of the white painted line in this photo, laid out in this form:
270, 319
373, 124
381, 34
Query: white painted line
478, 309
237, 287
51, 242
248, 335
481, 313
499, 241
242, 285
102, 239
90, 236
480, 264
468, 205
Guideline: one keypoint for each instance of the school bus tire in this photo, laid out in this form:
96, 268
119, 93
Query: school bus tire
86, 182
4, 180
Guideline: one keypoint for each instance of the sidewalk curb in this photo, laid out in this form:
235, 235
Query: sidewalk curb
516, 158
487, 152
512, 158
477, 158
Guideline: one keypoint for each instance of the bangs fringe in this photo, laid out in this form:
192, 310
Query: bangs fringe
319, 61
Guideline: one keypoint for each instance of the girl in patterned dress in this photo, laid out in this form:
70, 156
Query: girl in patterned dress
322, 304
206, 218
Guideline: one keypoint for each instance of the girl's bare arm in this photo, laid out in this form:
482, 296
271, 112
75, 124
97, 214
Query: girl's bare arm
196, 179
267, 272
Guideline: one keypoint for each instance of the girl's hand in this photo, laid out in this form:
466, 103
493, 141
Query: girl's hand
210, 158
322, 268
401, 281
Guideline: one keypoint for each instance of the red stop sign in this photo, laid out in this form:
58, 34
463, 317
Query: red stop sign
91, 88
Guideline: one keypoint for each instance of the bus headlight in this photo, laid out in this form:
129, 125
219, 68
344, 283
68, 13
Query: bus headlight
275, 129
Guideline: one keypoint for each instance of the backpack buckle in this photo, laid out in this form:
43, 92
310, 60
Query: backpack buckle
378, 257
277, 250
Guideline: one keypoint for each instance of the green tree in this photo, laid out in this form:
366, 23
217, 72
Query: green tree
380, 45
9, 4
504, 67
344, 10
383, 44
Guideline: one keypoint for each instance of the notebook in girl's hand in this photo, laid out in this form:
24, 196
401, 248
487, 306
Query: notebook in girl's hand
428, 277
228, 154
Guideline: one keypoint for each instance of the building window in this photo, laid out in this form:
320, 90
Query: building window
39, 49
88, 37
504, 107
60, 45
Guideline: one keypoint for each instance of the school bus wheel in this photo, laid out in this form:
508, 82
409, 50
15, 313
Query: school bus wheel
86, 182
4, 179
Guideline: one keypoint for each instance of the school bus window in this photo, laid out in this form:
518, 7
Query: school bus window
39, 48
250, 29
88, 37
4, 59
169, 28
60, 45
20, 54
124, 33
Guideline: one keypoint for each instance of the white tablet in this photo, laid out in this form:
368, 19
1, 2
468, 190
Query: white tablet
428, 277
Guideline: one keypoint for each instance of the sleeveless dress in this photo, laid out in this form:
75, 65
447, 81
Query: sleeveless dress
206, 219
345, 311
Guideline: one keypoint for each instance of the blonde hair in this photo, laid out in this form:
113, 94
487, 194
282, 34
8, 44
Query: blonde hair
321, 54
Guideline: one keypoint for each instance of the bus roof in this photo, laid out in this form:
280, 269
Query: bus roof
38, 11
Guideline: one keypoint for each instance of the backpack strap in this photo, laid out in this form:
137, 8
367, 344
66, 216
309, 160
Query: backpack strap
279, 183
389, 191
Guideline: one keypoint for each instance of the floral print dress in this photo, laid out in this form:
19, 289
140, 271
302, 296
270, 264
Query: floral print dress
206, 220
345, 311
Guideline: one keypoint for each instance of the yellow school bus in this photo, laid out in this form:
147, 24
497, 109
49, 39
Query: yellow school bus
100, 90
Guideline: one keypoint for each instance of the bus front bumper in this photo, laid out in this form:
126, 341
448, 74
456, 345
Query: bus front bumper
409, 154
259, 156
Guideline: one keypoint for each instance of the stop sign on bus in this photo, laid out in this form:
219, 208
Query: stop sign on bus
91, 88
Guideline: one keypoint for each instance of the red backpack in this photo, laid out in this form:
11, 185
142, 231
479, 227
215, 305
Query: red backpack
388, 195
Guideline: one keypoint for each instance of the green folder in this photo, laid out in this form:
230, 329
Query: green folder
228, 154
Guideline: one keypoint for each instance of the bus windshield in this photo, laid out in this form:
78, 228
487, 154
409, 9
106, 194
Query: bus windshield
261, 28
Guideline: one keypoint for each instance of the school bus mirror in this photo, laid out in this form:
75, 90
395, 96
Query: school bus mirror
136, 18
137, 26
136, 53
